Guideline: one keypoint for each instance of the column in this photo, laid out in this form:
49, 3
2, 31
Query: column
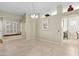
27, 27
59, 9
60, 21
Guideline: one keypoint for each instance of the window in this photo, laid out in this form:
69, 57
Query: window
11, 25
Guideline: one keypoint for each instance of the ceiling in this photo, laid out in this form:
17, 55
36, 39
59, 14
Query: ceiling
19, 8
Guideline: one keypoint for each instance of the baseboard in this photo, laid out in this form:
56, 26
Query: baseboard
50, 41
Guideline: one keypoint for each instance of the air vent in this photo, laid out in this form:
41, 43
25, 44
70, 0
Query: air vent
47, 15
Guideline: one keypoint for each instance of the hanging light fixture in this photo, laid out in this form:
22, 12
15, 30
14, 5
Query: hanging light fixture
34, 16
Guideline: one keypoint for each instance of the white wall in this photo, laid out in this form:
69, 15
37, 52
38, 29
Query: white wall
23, 22
33, 28
54, 29
30, 27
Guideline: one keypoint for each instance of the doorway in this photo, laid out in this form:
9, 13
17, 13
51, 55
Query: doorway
71, 27
1, 30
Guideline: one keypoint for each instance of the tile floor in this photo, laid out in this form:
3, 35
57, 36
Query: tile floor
21, 47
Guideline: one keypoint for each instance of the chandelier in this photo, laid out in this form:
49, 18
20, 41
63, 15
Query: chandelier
34, 15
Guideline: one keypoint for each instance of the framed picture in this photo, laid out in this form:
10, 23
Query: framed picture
45, 25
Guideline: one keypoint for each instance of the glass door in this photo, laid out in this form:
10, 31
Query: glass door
71, 27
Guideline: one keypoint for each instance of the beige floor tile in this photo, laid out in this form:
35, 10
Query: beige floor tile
20, 47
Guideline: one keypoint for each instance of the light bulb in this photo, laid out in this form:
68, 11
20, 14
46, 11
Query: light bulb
34, 16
